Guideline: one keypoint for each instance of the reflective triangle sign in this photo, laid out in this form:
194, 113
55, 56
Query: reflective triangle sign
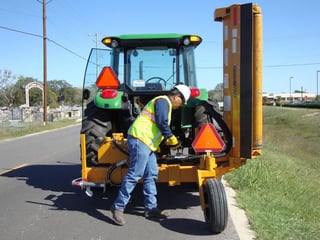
208, 140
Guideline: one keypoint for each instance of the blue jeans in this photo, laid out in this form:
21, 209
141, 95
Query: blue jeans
143, 164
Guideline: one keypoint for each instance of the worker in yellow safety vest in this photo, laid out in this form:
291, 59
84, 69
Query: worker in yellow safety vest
151, 127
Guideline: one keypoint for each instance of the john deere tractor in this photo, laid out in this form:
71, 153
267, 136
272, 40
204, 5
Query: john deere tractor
133, 69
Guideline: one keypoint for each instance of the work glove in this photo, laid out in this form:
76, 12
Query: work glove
173, 143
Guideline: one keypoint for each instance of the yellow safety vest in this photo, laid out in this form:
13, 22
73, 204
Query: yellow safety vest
145, 128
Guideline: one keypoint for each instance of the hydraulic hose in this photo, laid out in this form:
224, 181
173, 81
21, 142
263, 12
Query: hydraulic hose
218, 118
111, 169
124, 151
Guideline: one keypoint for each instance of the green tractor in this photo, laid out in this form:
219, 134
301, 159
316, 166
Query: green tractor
118, 83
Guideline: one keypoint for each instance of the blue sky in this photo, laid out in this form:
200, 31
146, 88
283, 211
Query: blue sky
291, 36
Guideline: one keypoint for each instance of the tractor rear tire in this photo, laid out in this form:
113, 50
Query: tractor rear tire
95, 127
216, 211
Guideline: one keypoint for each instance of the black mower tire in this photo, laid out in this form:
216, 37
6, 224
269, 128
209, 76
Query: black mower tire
216, 211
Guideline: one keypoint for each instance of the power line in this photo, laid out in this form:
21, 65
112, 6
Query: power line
50, 40
83, 58
19, 31
293, 65
274, 66
70, 51
42, 1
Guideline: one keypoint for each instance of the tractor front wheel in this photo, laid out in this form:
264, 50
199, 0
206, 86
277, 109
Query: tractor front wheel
216, 210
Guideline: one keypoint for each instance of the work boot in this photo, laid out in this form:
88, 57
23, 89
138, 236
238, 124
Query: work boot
157, 213
118, 217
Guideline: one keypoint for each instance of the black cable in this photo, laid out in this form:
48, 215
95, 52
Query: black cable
50, 40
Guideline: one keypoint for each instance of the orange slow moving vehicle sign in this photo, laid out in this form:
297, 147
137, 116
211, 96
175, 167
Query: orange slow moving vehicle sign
107, 79
208, 140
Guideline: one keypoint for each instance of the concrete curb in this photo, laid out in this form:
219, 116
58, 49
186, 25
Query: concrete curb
238, 215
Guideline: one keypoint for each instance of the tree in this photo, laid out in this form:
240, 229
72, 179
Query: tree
7, 90
66, 94
52, 99
20, 89
35, 94
12, 92
217, 93
72, 95
59, 87
77, 95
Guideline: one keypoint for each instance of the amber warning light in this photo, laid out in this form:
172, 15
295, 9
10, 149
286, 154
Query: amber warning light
208, 140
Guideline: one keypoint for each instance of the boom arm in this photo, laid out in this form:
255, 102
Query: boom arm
242, 76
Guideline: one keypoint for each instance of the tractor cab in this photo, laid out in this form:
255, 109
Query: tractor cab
144, 66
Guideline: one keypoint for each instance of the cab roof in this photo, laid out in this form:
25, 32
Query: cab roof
138, 40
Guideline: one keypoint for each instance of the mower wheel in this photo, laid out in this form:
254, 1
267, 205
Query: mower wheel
216, 211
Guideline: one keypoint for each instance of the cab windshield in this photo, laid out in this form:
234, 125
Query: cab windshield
156, 68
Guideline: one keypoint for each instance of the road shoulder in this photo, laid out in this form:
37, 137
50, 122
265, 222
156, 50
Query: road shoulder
238, 216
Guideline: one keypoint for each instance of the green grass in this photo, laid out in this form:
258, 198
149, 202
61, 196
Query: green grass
8, 132
280, 191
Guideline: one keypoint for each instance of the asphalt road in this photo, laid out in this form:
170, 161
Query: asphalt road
37, 200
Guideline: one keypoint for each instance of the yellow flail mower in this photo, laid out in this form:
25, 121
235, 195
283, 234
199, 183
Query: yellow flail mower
133, 69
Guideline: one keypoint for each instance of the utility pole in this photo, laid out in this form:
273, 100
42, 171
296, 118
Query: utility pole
317, 85
44, 17
96, 35
44, 36
290, 88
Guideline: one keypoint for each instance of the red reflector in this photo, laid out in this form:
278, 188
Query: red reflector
109, 93
195, 92
107, 79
